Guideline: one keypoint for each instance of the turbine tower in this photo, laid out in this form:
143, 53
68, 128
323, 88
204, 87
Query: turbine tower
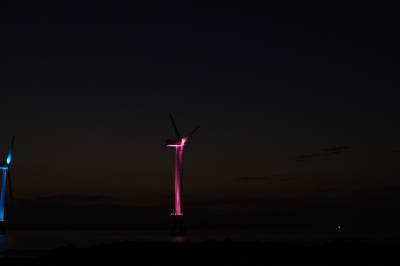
6, 172
178, 229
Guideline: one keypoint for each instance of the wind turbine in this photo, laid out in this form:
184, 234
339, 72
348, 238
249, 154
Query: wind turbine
178, 144
6, 172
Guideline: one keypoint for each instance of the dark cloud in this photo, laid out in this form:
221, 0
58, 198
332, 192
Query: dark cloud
252, 178
331, 153
297, 161
325, 190
272, 177
339, 148
281, 178
304, 156
395, 151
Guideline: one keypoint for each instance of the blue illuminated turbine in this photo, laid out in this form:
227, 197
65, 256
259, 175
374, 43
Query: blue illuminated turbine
6, 172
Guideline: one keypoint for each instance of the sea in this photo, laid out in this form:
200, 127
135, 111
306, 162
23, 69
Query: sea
34, 243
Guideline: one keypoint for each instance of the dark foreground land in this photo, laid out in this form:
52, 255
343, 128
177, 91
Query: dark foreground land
217, 253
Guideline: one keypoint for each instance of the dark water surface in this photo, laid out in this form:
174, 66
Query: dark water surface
32, 243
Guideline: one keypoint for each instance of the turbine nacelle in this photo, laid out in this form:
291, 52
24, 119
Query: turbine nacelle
5, 166
171, 142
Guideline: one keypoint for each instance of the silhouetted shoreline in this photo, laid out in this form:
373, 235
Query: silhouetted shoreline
217, 253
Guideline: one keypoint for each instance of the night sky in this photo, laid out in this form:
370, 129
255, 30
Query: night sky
298, 107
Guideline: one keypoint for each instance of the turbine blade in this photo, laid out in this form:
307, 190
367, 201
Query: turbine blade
175, 128
9, 182
187, 137
9, 154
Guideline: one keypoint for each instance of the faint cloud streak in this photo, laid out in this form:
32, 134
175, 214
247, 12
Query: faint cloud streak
339, 148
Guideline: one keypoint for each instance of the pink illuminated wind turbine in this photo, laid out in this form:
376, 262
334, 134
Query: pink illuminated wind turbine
178, 229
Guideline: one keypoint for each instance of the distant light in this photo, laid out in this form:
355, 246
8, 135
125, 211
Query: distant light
338, 227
